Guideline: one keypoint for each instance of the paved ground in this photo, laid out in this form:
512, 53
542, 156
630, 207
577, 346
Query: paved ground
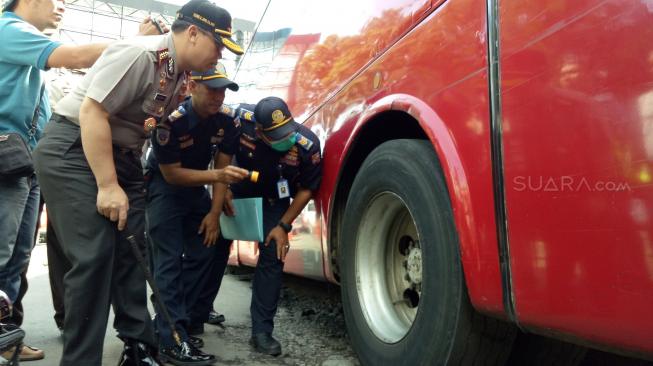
310, 326
311, 330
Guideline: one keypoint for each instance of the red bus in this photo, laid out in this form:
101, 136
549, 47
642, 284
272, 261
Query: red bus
488, 167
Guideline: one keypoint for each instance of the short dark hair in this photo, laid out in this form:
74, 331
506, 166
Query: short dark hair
9, 5
179, 26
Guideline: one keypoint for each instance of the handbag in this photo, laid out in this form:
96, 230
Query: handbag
15, 155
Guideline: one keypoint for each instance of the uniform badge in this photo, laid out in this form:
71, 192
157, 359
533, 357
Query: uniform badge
163, 82
316, 158
170, 68
149, 125
248, 137
278, 116
243, 141
162, 55
162, 136
246, 115
290, 161
160, 97
227, 110
187, 143
177, 113
304, 142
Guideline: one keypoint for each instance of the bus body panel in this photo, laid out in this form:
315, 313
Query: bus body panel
577, 91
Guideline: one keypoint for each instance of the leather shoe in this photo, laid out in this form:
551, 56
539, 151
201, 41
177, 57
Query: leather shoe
138, 354
27, 353
264, 343
185, 355
197, 342
215, 318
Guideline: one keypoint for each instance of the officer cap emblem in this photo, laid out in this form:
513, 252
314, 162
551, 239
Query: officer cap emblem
278, 116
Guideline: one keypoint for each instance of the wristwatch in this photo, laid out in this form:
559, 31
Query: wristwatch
286, 227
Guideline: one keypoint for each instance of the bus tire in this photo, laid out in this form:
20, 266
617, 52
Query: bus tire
403, 290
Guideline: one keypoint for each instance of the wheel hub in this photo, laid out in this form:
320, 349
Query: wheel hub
414, 266
389, 267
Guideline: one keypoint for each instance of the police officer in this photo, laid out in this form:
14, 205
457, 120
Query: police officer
288, 159
88, 164
182, 218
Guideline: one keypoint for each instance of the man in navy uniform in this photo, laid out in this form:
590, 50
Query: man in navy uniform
182, 218
288, 158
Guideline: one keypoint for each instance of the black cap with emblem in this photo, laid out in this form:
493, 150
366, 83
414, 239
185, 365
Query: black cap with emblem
212, 19
214, 78
274, 118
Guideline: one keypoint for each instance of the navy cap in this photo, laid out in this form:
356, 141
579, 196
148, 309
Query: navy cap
212, 19
9, 5
274, 118
214, 78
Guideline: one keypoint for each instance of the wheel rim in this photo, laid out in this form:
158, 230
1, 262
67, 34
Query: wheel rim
388, 267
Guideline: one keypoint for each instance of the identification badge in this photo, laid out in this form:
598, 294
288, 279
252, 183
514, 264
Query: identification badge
283, 189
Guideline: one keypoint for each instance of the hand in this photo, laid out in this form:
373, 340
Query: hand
112, 203
148, 28
230, 174
281, 238
228, 207
210, 228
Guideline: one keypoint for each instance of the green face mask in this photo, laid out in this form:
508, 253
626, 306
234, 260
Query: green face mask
284, 145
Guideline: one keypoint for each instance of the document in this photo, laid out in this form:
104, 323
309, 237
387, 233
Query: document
247, 224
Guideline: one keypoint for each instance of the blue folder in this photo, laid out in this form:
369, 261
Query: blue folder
247, 224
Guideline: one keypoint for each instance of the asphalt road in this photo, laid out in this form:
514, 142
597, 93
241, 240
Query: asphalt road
309, 325
311, 330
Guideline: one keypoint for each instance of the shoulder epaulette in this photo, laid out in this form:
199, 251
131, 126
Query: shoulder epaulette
228, 111
177, 113
304, 142
246, 115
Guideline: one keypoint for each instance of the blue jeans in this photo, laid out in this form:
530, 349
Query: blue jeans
19, 206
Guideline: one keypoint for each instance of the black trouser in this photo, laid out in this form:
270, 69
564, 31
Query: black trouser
58, 265
104, 270
268, 276
219, 256
181, 260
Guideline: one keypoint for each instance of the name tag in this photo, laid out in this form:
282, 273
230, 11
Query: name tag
283, 189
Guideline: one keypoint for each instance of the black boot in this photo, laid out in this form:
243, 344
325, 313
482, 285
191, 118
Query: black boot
215, 318
138, 354
186, 354
264, 343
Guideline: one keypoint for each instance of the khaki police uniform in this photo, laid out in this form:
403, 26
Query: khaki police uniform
138, 83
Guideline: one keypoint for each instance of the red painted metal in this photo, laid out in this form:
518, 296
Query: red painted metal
577, 89
577, 92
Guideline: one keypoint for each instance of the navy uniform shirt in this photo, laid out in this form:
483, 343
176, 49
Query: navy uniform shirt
188, 139
301, 166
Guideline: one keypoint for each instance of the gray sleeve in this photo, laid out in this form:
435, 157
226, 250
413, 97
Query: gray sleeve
121, 75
